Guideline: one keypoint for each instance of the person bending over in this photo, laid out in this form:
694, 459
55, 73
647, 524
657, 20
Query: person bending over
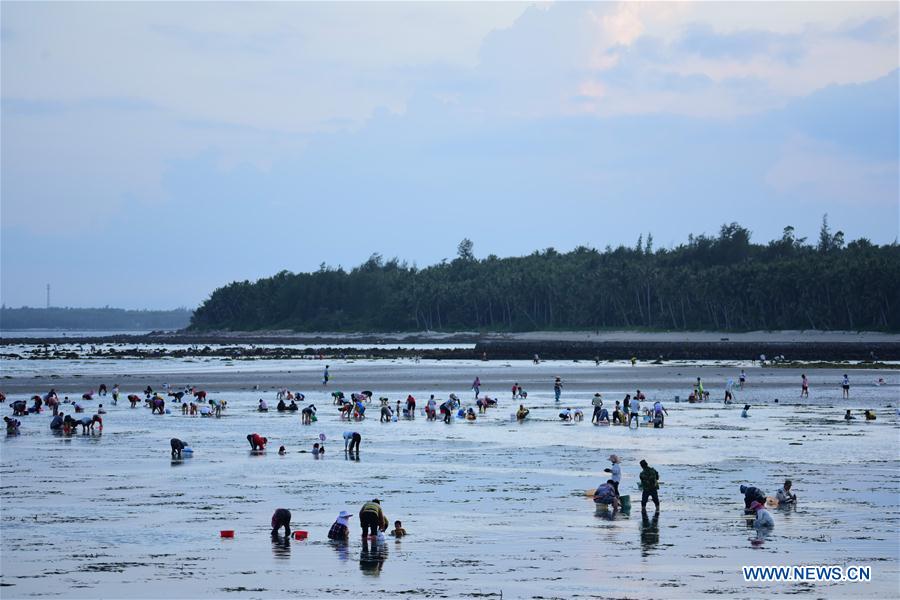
257, 442
752, 494
372, 519
177, 446
281, 518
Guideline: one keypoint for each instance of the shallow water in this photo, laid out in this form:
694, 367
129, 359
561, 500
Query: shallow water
491, 507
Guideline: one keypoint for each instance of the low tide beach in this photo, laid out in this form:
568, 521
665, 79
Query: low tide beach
493, 507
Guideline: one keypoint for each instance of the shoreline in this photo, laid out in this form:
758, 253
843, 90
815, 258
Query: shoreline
8, 337
791, 346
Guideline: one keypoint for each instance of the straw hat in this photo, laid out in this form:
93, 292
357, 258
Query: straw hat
344, 514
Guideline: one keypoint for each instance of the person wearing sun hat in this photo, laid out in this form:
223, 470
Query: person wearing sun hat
764, 518
340, 529
615, 472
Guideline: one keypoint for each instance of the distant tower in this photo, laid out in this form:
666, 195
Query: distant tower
48, 295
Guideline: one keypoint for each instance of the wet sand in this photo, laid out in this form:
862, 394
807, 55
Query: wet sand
491, 507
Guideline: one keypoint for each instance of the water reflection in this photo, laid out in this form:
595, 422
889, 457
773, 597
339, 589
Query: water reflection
372, 557
342, 548
605, 512
281, 546
761, 535
649, 532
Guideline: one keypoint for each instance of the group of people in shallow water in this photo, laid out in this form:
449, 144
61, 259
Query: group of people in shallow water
629, 412
61, 422
607, 493
372, 521
258, 443
194, 402
699, 394
756, 503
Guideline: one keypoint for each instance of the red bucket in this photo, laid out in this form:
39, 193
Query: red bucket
300, 535
227, 533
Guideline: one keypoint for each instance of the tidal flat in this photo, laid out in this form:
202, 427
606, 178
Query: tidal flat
494, 508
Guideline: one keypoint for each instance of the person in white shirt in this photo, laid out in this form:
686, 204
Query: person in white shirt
615, 472
635, 408
784, 495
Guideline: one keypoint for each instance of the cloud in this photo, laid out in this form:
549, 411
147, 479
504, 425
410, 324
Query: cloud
702, 40
205, 145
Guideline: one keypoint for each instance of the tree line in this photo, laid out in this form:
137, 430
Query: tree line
724, 282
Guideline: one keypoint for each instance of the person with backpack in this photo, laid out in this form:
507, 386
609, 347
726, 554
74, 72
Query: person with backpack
649, 485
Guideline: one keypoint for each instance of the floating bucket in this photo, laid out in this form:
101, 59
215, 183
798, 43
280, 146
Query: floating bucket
227, 533
626, 502
301, 535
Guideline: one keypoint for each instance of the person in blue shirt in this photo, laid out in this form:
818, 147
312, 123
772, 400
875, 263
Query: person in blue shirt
606, 494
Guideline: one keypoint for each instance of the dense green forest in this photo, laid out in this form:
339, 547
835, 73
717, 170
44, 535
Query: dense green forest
722, 282
93, 318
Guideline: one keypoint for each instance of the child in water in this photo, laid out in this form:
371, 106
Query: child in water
398, 531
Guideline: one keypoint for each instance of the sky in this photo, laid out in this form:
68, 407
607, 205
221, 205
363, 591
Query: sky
152, 152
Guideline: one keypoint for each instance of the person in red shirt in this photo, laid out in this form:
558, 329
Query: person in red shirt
257, 442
